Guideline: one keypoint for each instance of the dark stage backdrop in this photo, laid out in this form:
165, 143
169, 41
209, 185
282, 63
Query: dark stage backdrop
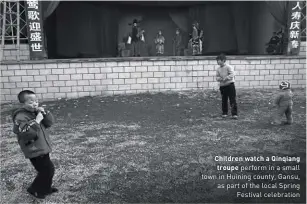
87, 29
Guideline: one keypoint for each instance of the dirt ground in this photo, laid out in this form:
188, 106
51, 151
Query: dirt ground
155, 147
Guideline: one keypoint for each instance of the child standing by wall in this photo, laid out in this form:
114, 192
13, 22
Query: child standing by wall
283, 101
225, 76
30, 124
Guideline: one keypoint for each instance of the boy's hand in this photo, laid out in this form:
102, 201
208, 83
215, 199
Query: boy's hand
221, 79
41, 110
39, 117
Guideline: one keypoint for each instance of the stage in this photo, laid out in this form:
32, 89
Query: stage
94, 29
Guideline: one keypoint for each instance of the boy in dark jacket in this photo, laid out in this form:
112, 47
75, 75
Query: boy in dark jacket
30, 124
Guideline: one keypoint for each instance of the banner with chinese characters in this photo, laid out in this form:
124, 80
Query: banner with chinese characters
294, 27
35, 29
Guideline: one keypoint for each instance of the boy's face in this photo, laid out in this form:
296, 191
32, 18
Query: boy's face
31, 101
177, 32
221, 62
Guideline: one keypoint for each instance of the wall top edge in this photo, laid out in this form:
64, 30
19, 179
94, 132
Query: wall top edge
136, 59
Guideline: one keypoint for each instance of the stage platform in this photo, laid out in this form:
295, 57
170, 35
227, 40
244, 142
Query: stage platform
72, 78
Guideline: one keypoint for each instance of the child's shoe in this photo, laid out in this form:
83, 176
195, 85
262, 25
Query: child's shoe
235, 117
224, 116
36, 194
53, 190
276, 123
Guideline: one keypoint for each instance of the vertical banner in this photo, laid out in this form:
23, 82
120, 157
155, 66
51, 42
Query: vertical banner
294, 27
35, 29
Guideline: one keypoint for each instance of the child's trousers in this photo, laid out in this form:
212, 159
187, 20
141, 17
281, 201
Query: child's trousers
229, 92
281, 111
45, 171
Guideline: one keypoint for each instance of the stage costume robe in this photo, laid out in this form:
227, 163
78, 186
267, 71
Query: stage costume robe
135, 42
159, 41
196, 41
177, 45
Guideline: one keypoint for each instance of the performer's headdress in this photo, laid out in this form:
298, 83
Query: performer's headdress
134, 21
195, 23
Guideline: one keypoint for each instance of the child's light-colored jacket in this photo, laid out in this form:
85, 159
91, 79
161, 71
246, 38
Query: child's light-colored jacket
225, 75
284, 98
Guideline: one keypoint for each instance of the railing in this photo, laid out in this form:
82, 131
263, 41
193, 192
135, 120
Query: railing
13, 19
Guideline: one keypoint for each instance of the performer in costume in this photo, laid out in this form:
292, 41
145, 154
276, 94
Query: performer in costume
159, 41
177, 43
136, 37
196, 39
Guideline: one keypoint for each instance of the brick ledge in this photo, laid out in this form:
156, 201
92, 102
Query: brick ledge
168, 58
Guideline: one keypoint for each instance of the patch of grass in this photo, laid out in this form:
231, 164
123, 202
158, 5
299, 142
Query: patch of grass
152, 147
